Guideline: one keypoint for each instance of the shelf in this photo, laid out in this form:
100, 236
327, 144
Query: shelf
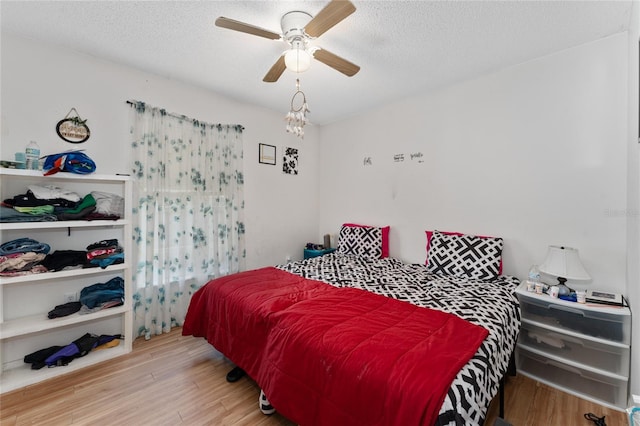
56, 224
23, 375
24, 330
71, 273
40, 322
38, 175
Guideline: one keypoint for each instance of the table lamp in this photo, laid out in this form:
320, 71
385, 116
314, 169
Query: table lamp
564, 263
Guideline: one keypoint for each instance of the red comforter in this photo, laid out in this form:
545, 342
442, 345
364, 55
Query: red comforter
334, 356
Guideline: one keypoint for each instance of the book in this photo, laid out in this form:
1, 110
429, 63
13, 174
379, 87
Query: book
604, 297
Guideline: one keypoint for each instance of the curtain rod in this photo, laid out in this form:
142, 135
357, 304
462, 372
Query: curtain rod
134, 103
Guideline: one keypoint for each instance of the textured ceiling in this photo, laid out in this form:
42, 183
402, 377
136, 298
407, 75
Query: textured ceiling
402, 47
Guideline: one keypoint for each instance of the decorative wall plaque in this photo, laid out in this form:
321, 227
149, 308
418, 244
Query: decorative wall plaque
73, 128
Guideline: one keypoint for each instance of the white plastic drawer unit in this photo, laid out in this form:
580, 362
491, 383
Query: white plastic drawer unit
591, 352
609, 323
611, 390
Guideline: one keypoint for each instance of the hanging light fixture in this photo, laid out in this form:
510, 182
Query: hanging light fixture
297, 116
297, 59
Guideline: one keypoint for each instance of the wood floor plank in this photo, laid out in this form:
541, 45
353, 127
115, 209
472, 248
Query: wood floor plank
530, 403
177, 380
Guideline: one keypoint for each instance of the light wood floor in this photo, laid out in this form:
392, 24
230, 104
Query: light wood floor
173, 380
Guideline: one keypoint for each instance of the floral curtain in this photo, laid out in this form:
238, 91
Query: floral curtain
188, 212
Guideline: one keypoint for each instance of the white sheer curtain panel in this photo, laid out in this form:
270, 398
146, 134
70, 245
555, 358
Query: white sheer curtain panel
188, 217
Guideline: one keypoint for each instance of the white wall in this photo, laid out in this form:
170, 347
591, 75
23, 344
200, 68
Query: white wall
535, 153
41, 83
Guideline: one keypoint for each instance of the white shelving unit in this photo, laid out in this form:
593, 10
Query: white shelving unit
25, 300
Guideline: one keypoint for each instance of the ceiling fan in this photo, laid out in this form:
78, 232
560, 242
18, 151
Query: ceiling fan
298, 29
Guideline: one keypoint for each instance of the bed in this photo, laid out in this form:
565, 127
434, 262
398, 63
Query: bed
357, 337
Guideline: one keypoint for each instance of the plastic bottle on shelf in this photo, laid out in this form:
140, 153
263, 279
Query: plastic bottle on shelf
32, 152
533, 278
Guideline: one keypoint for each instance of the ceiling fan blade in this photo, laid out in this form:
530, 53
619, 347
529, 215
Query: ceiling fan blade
276, 71
232, 24
336, 62
332, 14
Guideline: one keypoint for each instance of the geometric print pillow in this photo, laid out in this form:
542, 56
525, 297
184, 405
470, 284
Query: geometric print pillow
430, 233
465, 256
385, 236
364, 242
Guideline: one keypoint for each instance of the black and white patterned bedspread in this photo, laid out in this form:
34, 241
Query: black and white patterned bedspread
490, 304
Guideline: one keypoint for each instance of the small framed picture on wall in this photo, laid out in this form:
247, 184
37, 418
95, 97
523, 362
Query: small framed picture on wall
290, 161
267, 154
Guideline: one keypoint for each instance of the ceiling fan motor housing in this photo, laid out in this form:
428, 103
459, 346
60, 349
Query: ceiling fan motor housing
293, 24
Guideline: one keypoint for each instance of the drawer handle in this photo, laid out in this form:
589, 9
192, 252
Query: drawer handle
567, 309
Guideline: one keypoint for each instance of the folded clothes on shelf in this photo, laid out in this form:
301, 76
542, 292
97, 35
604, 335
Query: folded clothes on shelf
55, 356
23, 245
29, 199
66, 259
52, 192
108, 203
99, 293
103, 244
85, 207
11, 215
20, 261
105, 252
64, 310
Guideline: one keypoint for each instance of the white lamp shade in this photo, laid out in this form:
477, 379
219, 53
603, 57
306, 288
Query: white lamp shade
297, 60
564, 262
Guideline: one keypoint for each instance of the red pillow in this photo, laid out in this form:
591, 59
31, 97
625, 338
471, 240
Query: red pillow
385, 237
430, 233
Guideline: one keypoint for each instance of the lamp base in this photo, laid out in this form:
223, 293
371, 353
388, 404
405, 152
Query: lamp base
563, 290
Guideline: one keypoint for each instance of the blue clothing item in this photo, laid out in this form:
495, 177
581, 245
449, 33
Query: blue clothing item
9, 215
104, 262
23, 245
64, 356
69, 161
99, 293
75, 349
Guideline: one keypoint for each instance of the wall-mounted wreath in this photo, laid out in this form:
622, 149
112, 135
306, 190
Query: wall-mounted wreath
73, 128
